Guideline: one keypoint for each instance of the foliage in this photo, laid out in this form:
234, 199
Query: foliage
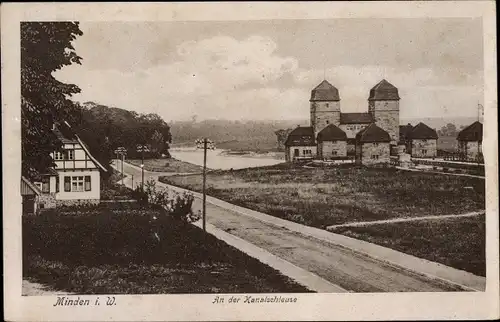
110, 127
45, 48
117, 192
157, 142
449, 129
179, 207
114, 251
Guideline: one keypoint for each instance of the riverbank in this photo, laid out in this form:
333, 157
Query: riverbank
220, 159
167, 165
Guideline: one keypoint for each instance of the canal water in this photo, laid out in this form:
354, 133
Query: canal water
219, 159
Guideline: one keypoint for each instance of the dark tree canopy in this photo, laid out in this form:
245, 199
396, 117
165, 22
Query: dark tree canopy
106, 128
45, 48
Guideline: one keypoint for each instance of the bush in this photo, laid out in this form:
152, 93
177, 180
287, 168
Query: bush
179, 207
116, 192
140, 195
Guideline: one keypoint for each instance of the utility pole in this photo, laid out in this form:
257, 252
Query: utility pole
142, 167
204, 183
205, 144
123, 158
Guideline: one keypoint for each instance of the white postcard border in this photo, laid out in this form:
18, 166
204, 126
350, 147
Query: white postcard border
382, 306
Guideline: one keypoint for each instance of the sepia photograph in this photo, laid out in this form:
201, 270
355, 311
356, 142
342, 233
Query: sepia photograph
252, 161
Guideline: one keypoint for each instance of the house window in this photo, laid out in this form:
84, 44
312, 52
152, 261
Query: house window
58, 156
424, 151
334, 153
46, 184
327, 122
87, 183
77, 184
70, 154
67, 184
57, 183
327, 105
375, 144
296, 152
374, 156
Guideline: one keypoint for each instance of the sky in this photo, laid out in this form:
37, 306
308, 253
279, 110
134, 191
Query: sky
266, 69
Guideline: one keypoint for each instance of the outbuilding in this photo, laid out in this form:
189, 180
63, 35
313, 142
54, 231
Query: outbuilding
332, 142
372, 146
30, 194
470, 141
300, 144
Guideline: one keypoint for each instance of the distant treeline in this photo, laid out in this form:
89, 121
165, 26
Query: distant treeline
256, 136
105, 128
263, 136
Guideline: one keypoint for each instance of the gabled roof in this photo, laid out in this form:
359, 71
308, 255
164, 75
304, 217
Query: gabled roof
384, 91
331, 133
473, 132
422, 131
28, 183
372, 133
355, 118
68, 135
325, 92
405, 132
301, 136
64, 133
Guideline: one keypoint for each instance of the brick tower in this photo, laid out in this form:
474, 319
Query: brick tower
383, 105
325, 106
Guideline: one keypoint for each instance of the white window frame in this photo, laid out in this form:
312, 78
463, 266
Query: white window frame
77, 183
58, 156
71, 154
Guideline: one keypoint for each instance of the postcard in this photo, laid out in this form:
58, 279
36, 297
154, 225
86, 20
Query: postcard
250, 161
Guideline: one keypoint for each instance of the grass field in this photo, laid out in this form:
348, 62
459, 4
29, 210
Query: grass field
456, 242
330, 196
113, 250
168, 165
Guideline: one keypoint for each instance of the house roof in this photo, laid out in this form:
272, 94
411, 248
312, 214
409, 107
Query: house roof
66, 134
331, 133
384, 91
355, 118
473, 132
325, 92
28, 183
405, 131
422, 131
301, 136
372, 133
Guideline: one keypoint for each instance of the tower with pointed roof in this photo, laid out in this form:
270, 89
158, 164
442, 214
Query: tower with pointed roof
383, 105
325, 106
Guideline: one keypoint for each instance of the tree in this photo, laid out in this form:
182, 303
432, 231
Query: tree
449, 130
157, 143
45, 48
